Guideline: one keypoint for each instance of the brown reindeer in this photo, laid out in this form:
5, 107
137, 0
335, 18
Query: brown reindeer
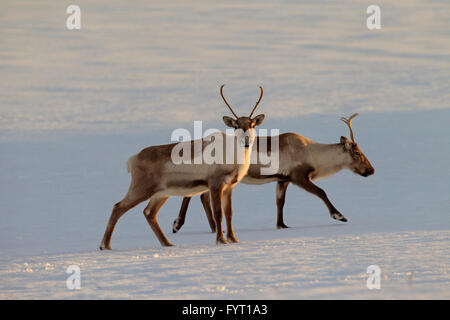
155, 176
302, 161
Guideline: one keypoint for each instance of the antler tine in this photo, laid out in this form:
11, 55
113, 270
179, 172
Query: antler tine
231, 109
260, 97
349, 123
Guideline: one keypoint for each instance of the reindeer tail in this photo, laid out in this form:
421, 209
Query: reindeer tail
130, 163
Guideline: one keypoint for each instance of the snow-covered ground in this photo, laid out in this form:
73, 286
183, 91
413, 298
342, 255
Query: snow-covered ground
156, 64
57, 194
414, 265
74, 105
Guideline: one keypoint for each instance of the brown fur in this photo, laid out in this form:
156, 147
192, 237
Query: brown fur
154, 176
296, 157
150, 180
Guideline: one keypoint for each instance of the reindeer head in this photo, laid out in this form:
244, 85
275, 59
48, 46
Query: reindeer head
245, 126
358, 162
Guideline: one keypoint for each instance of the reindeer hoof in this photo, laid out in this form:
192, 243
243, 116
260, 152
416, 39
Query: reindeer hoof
232, 239
221, 241
339, 217
103, 247
175, 226
282, 226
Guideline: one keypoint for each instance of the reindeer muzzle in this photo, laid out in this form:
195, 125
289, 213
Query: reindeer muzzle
368, 172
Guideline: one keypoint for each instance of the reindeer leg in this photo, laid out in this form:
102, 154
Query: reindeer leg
120, 208
150, 213
281, 196
216, 204
204, 197
178, 223
228, 210
303, 180
134, 196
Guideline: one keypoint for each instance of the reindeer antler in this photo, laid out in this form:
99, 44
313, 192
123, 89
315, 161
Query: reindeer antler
349, 123
231, 109
260, 97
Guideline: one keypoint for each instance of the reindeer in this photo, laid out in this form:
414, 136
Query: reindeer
302, 161
154, 176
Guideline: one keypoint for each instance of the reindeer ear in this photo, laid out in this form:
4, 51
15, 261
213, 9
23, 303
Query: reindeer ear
230, 122
258, 120
345, 142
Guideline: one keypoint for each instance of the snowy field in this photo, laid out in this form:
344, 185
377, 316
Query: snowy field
414, 265
74, 105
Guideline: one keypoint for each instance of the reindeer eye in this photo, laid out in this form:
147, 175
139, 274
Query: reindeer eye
357, 153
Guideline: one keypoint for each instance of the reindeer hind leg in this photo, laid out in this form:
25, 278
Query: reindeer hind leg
120, 208
150, 213
179, 221
135, 195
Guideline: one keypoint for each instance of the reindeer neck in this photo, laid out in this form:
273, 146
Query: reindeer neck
327, 159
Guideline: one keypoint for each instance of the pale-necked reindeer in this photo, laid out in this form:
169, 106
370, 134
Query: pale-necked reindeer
302, 161
155, 176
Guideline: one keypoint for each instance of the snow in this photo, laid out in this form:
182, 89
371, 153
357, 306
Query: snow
414, 265
57, 194
76, 105
141, 65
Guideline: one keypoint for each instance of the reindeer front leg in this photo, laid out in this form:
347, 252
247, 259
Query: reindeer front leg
302, 179
228, 210
281, 196
215, 193
204, 197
